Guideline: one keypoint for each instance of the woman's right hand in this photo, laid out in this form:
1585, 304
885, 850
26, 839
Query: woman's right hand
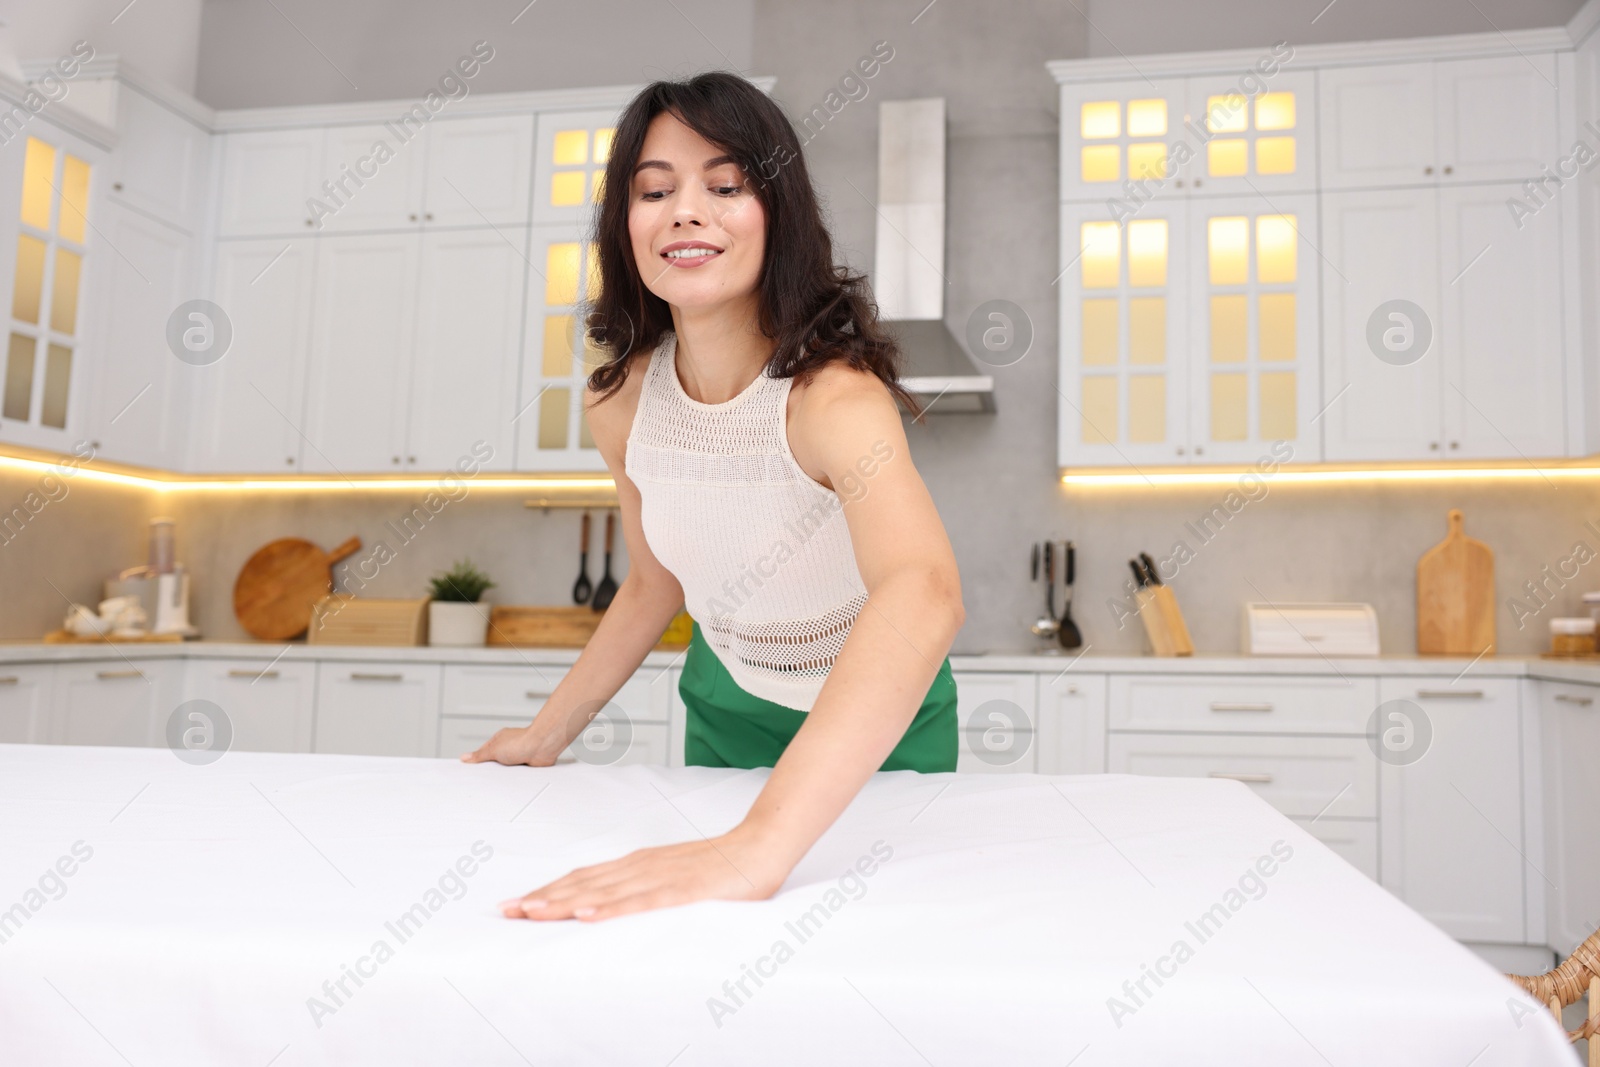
512, 746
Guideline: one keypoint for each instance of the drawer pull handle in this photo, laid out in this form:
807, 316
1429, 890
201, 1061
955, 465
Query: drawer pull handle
252, 674
1450, 694
1223, 705
1252, 779
10, 679
358, 676
1566, 698
108, 676
566, 759
538, 694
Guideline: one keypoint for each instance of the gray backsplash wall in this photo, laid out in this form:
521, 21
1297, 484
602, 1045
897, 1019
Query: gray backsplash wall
993, 477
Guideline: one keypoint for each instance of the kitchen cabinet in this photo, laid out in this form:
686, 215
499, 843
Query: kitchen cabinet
1071, 729
49, 266
268, 179
114, 702
25, 694
480, 171
1570, 735
362, 336
999, 716
552, 426
138, 389
1190, 333
376, 178
269, 705
571, 151
1473, 365
478, 700
1452, 842
252, 401
1249, 704
1438, 122
468, 348
377, 708
1303, 777
646, 741
160, 163
1189, 136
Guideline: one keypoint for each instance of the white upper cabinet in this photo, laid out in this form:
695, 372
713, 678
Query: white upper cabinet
1496, 117
140, 279
570, 157
1446, 121
160, 161
361, 343
1382, 376
374, 179
269, 178
1117, 134
1501, 326
479, 171
464, 380
252, 400
1252, 142
1377, 126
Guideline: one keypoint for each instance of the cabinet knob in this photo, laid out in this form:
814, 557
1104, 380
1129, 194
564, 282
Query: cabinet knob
310, 223
289, 460
1455, 444
397, 460
95, 445
1180, 183
1197, 183
413, 216
1448, 169
428, 217
116, 186
1180, 450
1434, 445
411, 459
1427, 170
1199, 451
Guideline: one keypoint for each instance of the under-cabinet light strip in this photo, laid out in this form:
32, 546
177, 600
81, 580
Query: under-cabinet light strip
1289, 476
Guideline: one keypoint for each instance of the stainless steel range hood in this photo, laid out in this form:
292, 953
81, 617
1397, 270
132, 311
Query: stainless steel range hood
908, 278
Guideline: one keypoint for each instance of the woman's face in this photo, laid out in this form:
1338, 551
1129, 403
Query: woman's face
677, 200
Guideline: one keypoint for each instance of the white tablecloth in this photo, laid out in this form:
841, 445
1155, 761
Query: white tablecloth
249, 913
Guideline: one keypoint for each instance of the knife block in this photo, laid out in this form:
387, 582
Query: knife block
1163, 621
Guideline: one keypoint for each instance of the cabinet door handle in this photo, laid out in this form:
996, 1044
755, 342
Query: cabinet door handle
1565, 698
107, 676
252, 674
1250, 779
538, 694
566, 759
1223, 705
358, 676
1450, 694
10, 679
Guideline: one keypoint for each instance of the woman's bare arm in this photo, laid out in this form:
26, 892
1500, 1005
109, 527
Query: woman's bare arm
644, 604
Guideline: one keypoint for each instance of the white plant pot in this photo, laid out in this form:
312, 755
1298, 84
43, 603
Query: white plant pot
457, 624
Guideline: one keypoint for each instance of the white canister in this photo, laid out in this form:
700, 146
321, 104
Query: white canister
457, 623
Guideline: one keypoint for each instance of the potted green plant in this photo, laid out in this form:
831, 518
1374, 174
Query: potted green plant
455, 617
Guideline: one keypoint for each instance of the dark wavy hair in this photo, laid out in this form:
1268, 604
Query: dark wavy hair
817, 311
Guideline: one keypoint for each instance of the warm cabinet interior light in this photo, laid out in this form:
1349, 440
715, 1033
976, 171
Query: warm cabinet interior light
1313, 476
63, 469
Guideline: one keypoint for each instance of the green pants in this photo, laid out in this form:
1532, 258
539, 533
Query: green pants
728, 727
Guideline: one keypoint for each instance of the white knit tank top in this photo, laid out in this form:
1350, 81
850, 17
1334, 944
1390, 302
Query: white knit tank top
762, 550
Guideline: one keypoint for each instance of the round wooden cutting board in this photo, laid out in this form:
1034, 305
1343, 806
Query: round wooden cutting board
278, 585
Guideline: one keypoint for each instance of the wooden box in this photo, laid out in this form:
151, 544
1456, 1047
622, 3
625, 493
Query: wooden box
338, 619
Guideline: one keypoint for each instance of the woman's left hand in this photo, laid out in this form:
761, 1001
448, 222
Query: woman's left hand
727, 867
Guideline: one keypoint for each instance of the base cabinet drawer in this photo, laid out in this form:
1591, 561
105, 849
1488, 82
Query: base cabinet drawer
1356, 840
519, 691
600, 743
114, 702
377, 709
1300, 776
998, 716
1242, 704
269, 706
25, 693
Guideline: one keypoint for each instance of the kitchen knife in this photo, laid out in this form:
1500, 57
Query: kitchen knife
1150, 568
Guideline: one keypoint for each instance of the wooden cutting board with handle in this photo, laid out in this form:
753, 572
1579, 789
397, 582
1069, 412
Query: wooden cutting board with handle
275, 590
1455, 595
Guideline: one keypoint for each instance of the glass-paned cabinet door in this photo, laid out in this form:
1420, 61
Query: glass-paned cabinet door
571, 150
1253, 367
552, 427
1122, 346
49, 178
1114, 133
1252, 137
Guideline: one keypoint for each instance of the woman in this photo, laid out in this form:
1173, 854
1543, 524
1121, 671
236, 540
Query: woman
749, 419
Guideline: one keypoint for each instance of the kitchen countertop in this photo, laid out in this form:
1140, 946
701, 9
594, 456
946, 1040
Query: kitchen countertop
1582, 671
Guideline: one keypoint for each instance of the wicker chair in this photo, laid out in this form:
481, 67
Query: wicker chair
1580, 972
